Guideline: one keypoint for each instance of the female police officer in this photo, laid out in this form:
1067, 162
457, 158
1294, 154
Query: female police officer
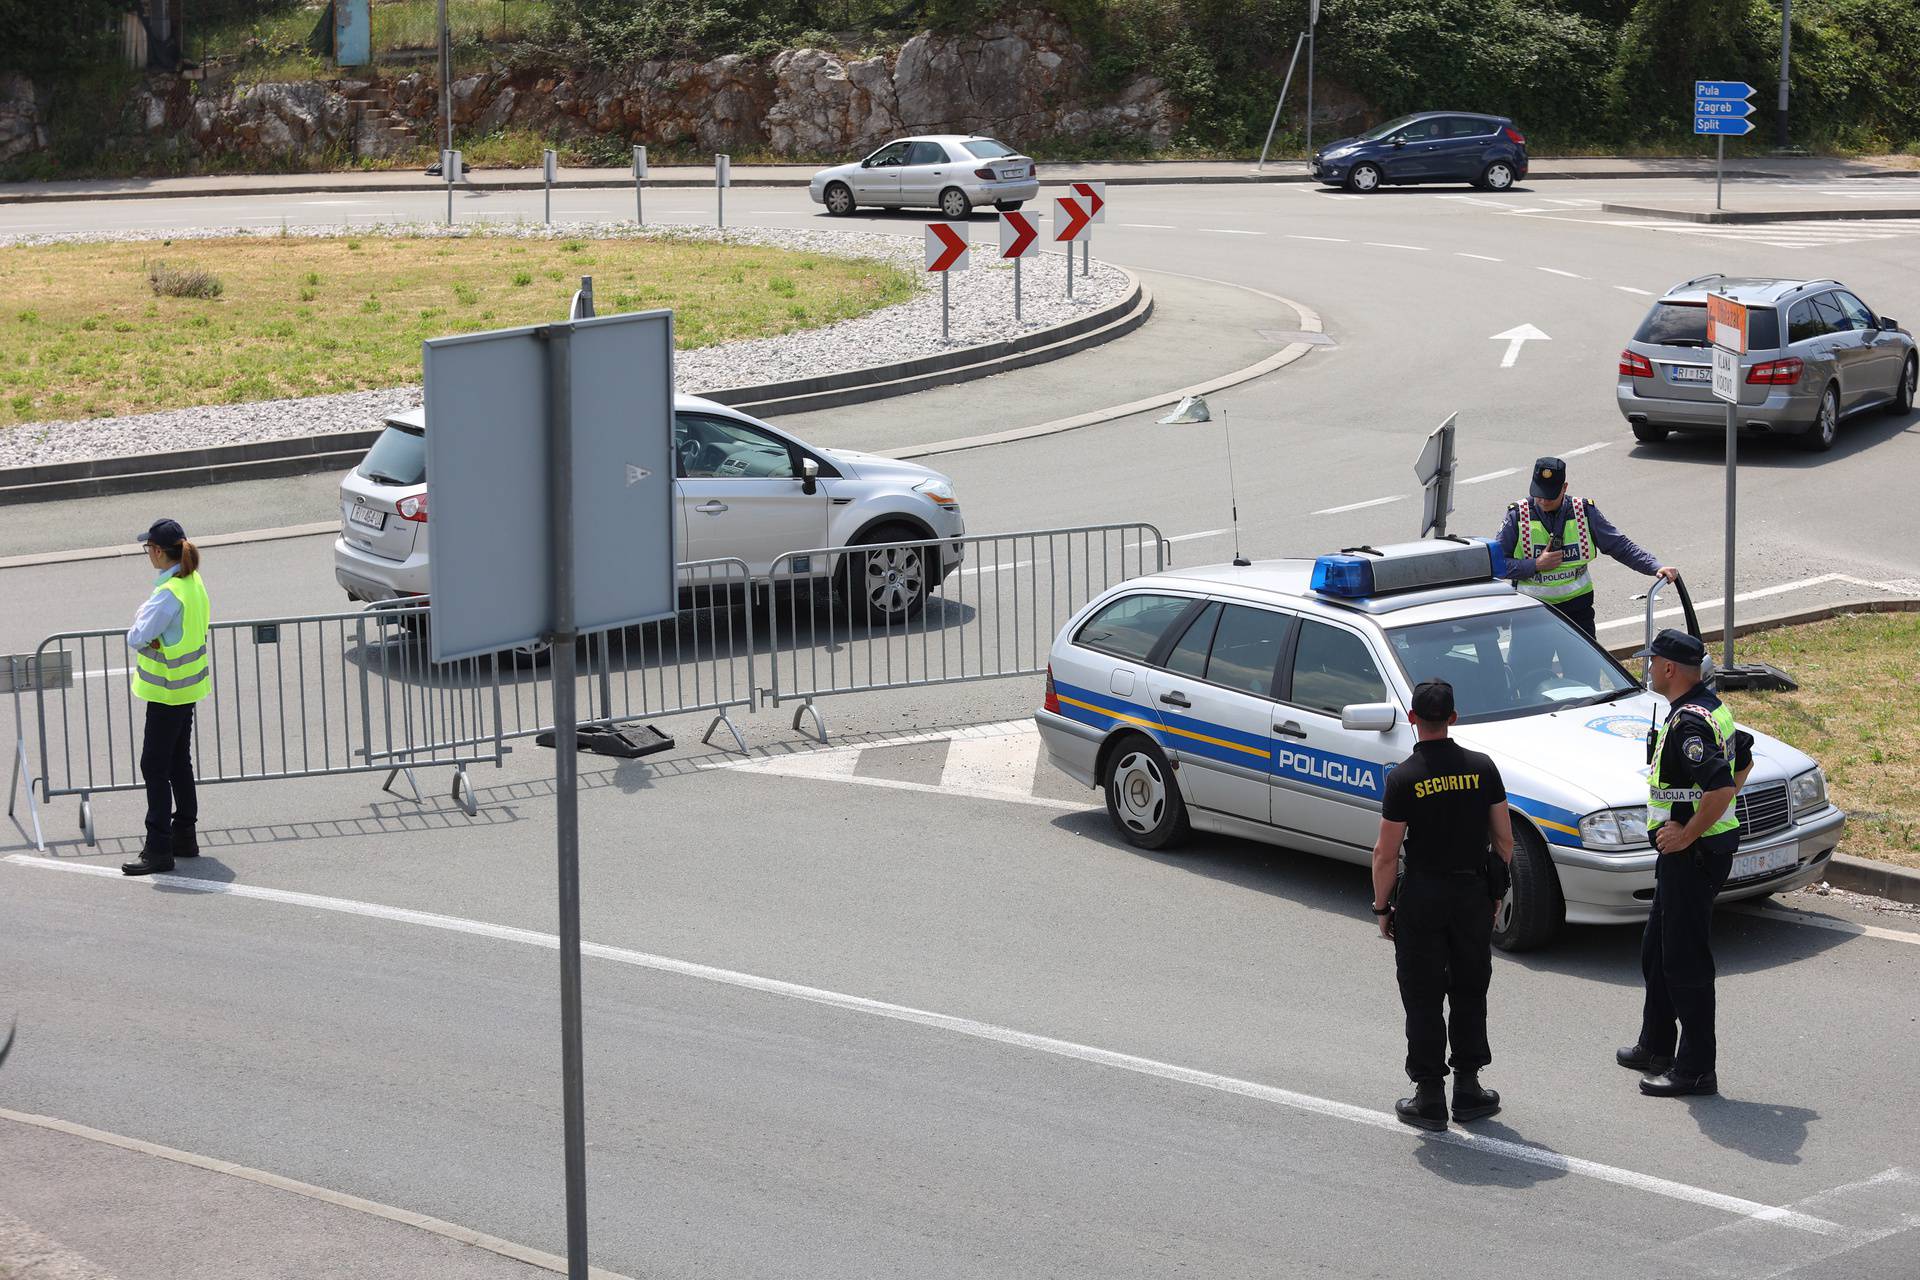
170, 674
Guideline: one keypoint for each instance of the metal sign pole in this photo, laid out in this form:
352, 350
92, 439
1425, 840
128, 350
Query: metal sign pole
1016, 291
549, 169
1284, 85
567, 788
1086, 253
946, 297
1733, 470
1719, 168
1069, 268
446, 81
1310, 27
639, 181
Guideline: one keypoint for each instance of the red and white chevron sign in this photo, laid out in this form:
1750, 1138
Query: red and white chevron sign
947, 247
1094, 196
1070, 218
1019, 232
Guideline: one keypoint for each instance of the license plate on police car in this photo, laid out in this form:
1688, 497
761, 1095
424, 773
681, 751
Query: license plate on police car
367, 516
1690, 373
1762, 862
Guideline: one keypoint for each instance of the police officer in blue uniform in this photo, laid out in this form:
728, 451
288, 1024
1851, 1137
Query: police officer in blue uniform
1450, 808
1699, 761
1551, 538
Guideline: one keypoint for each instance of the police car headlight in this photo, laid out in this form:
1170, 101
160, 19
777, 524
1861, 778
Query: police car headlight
1614, 829
1809, 792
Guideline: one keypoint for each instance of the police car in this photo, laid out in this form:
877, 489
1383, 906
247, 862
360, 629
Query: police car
1269, 701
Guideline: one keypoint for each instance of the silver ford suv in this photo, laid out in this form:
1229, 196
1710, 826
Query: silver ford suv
1815, 355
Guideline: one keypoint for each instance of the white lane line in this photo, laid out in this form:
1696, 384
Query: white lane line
325, 1195
1478, 257
1525, 1153
1358, 506
1627, 288
1761, 593
1327, 239
1229, 231
1588, 448
1147, 226
1491, 475
1830, 923
1411, 248
1555, 271
1195, 537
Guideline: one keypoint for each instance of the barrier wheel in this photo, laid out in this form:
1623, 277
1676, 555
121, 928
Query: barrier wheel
86, 821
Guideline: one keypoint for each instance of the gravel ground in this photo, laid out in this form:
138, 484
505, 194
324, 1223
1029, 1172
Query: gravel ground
982, 311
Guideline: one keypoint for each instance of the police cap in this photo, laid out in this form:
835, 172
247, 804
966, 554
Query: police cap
1549, 478
1676, 646
165, 533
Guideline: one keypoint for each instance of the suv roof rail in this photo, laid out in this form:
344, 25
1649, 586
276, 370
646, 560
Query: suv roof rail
1688, 284
1812, 284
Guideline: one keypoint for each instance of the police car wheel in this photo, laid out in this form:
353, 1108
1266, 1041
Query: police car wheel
1143, 799
1533, 909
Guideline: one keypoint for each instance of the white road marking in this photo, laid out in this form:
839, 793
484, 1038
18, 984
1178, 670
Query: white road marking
1555, 271
1359, 506
1627, 288
1760, 593
1195, 537
1588, 448
1327, 1108
1327, 239
1515, 338
1229, 231
1481, 257
1147, 226
1830, 923
1491, 475
1411, 248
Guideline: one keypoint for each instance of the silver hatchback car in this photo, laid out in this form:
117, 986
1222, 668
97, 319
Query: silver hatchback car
1815, 355
941, 171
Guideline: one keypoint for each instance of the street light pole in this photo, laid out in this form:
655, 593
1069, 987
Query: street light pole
1786, 56
446, 81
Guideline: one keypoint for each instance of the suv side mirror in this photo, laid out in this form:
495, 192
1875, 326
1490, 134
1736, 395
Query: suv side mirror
809, 476
1369, 717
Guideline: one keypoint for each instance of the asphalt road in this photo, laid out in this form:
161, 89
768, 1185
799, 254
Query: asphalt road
1086, 1060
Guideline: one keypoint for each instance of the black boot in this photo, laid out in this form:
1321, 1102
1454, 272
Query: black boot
1426, 1109
1679, 1084
1470, 1101
185, 843
1635, 1058
147, 864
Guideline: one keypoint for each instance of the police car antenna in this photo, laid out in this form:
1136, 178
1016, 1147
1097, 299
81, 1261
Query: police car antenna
1233, 493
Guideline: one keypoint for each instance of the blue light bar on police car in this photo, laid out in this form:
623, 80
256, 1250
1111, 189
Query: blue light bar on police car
1370, 571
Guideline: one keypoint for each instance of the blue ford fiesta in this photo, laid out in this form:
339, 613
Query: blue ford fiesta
1429, 146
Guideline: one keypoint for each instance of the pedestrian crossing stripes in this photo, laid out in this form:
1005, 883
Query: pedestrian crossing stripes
1810, 234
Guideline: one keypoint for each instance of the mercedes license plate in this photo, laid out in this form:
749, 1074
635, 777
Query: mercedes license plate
364, 515
1690, 373
1762, 862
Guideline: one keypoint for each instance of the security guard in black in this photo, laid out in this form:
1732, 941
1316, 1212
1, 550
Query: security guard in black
1450, 807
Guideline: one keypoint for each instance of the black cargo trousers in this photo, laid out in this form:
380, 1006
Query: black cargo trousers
1443, 956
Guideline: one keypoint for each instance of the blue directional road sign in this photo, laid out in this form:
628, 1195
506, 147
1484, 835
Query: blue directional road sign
1722, 89
1721, 107
1722, 125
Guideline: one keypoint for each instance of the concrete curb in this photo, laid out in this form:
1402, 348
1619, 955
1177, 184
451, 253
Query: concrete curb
1774, 621
1726, 216
1878, 879
1309, 324
303, 455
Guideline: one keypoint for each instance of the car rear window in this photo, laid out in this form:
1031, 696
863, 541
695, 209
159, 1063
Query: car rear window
1684, 324
988, 149
1131, 626
399, 456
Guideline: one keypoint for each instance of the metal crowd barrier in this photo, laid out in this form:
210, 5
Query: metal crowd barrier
993, 614
303, 697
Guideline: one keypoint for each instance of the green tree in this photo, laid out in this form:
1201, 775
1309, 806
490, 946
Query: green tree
1668, 44
58, 36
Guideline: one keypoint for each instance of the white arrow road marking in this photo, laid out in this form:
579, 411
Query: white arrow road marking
1514, 338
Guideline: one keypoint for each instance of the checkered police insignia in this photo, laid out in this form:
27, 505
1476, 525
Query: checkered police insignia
1695, 749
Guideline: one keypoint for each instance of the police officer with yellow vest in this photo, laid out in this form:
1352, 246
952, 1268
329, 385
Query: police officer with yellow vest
1699, 761
1549, 540
170, 674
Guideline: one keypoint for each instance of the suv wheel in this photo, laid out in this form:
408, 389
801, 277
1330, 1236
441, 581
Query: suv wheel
1903, 394
1648, 433
1497, 176
1363, 177
954, 205
1819, 437
1533, 909
1142, 797
892, 583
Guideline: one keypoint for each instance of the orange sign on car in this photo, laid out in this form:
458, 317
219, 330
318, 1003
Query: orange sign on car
1727, 323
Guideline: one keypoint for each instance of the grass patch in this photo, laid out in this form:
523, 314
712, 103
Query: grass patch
1859, 683
300, 317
